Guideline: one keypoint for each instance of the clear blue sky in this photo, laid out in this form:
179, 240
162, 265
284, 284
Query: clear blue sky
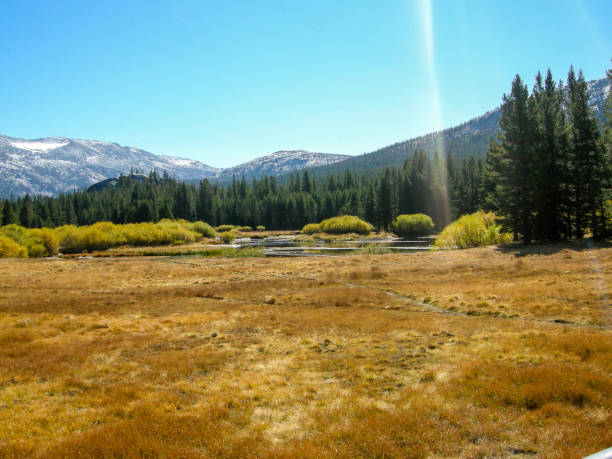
227, 81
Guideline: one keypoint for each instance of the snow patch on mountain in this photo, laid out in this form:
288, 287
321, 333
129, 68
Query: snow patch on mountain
37, 146
56, 164
280, 162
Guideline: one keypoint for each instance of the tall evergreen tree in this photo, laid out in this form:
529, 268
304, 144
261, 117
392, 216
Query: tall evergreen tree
9, 213
607, 147
512, 161
549, 159
26, 212
587, 159
384, 204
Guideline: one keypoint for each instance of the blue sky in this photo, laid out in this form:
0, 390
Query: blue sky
225, 82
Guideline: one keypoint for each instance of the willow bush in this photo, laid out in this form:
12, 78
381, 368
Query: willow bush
224, 228
229, 236
412, 225
18, 241
311, 228
344, 224
477, 229
35, 242
203, 228
10, 249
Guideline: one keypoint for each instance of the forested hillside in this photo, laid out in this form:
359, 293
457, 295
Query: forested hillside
468, 139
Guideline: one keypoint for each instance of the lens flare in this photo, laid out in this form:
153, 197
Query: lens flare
442, 203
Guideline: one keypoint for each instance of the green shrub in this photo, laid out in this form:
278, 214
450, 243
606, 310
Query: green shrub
311, 228
203, 228
229, 236
37, 251
104, 235
260, 228
412, 225
38, 242
345, 224
244, 228
10, 249
224, 228
15, 232
477, 229
48, 239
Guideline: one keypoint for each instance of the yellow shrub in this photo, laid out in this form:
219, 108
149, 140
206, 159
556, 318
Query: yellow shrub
311, 228
10, 249
47, 238
15, 232
345, 224
203, 228
229, 236
413, 225
38, 242
37, 251
472, 230
223, 228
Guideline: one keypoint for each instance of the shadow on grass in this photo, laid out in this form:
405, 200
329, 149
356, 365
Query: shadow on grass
522, 250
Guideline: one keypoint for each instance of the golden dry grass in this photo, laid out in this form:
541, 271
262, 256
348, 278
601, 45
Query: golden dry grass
471, 353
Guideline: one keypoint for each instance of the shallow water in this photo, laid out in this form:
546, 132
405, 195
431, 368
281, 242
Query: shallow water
288, 246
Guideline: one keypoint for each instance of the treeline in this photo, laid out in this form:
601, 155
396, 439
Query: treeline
550, 172
433, 186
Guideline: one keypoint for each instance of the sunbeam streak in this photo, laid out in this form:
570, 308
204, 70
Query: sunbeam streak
428, 37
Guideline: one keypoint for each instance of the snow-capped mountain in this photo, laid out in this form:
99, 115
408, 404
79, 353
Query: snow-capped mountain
280, 162
56, 164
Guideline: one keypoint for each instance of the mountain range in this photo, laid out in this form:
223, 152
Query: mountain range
54, 165
278, 163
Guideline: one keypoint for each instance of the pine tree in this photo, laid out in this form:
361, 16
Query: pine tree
204, 205
26, 212
550, 159
606, 213
384, 204
512, 162
306, 183
70, 216
9, 213
184, 206
370, 205
587, 158
490, 177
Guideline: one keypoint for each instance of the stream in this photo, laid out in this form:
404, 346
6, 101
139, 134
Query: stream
288, 246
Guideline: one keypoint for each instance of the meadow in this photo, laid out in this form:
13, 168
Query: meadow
452, 353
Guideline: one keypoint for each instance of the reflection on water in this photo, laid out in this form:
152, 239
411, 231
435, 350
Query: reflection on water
288, 246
